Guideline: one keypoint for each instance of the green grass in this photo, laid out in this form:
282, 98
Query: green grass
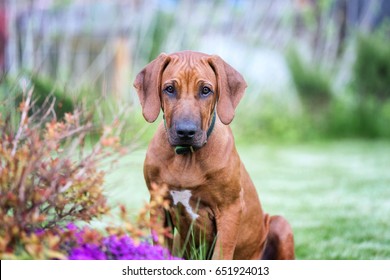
336, 195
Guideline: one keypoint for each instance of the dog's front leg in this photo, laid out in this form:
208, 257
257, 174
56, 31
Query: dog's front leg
228, 227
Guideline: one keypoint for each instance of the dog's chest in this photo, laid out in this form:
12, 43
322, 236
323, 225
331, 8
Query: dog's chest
185, 199
191, 216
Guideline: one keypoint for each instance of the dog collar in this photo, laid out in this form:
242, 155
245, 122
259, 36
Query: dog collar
182, 150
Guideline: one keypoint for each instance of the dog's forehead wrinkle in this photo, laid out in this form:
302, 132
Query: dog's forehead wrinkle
189, 77
185, 62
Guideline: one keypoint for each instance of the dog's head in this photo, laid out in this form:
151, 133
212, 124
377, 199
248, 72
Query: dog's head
189, 87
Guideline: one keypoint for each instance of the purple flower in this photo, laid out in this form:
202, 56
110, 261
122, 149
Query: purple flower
124, 248
115, 248
87, 252
71, 227
39, 232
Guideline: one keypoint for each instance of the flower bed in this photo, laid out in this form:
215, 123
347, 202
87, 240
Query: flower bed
116, 248
48, 180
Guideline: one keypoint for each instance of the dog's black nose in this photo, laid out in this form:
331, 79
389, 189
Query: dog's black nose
186, 130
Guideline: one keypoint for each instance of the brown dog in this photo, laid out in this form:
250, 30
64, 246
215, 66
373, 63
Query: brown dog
213, 200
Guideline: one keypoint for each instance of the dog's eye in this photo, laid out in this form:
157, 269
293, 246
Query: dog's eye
170, 89
206, 91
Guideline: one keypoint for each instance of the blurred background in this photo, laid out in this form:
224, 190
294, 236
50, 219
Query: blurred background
315, 68
313, 128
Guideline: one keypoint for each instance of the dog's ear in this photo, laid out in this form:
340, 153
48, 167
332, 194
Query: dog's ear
231, 87
148, 86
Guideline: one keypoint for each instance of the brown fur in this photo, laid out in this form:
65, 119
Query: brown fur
221, 190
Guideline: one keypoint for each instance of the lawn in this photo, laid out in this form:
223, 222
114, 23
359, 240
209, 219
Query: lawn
335, 194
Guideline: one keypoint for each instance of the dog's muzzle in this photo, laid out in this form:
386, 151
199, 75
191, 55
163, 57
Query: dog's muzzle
187, 137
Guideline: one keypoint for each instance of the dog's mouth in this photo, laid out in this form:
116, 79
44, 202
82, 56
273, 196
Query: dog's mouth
196, 142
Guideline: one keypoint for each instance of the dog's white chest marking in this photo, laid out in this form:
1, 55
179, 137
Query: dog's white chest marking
184, 198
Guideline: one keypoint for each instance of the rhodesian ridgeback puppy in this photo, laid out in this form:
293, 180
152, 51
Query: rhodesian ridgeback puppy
213, 202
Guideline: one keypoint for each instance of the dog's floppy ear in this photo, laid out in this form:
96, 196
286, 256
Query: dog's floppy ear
231, 87
148, 83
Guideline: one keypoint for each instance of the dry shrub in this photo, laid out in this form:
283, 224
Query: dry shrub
48, 178
144, 226
139, 239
